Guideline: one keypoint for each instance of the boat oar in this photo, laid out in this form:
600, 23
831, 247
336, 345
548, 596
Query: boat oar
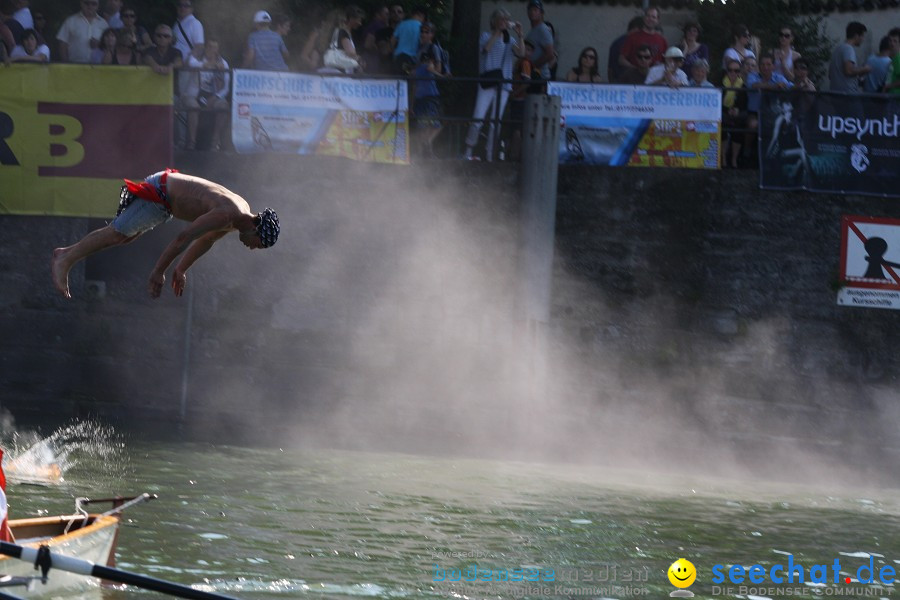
43, 558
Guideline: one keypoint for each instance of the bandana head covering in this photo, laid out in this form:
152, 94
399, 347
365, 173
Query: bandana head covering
268, 227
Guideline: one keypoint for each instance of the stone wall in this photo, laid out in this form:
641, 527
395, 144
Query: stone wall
389, 307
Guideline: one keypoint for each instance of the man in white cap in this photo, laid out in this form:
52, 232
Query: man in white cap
265, 49
669, 72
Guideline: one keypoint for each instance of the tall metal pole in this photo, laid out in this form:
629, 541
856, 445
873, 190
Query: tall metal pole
537, 180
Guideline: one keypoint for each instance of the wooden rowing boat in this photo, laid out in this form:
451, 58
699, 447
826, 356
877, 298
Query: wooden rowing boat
89, 537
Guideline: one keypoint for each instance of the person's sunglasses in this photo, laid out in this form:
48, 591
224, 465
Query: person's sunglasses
644, 56
784, 35
590, 56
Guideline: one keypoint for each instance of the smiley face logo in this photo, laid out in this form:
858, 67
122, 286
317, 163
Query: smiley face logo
682, 573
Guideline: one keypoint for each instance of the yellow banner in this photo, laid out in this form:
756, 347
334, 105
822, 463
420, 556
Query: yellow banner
70, 133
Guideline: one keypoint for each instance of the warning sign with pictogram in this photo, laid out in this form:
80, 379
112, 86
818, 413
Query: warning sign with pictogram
870, 262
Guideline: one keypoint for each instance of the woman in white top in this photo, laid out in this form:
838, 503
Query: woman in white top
30, 50
342, 37
498, 52
785, 55
738, 50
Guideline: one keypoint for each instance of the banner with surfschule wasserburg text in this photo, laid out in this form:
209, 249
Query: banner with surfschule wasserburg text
362, 119
830, 142
69, 134
639, 126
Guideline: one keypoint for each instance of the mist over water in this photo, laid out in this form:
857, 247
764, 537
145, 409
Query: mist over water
407, 314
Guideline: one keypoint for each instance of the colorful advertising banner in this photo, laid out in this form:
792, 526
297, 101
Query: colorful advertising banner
870, 262
362, 119
639, 126
824, 142
70, 133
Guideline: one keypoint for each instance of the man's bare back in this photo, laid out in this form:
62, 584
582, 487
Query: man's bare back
212, 210
192, 197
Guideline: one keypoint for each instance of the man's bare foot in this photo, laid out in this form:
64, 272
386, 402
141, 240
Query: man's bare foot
60, 272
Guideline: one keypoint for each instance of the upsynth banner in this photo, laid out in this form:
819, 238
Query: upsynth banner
362, 119
639, 126
70, 133
827, 142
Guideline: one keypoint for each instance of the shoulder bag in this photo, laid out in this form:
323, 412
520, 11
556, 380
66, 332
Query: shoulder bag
336, 58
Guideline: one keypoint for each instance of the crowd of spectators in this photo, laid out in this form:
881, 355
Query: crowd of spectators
512, 62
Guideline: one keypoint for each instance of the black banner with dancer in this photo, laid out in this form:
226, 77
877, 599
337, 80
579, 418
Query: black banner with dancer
829, 142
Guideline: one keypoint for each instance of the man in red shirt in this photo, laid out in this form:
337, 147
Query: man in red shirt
648, 34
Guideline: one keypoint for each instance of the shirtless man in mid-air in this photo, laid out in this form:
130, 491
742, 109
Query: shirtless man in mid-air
212, 209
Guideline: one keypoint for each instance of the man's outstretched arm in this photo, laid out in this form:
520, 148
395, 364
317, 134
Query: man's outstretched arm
198, 248
211, 222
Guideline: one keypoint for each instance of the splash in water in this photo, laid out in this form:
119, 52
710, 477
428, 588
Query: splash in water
82, 445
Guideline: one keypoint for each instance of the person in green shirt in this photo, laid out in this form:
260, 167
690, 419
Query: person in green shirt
892, 83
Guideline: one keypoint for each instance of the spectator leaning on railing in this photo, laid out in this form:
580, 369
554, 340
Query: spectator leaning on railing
163, 58
30, 50
669, 72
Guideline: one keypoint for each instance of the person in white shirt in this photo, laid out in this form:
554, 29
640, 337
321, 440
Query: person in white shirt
188, 31
669, 71
23, 14
30, 50
80, 33
188, 39
112, 13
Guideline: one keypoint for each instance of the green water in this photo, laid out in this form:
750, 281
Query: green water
268, 523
